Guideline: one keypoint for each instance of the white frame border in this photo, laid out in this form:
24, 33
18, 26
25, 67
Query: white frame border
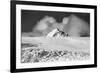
20, 65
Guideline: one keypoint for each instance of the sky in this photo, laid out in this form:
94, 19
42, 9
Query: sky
29, 18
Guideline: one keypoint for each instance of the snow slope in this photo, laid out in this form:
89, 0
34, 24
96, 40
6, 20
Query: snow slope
67, 43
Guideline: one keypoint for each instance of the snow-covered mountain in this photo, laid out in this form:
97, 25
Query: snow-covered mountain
57, 33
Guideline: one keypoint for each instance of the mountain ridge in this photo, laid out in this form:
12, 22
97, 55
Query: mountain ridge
57, 33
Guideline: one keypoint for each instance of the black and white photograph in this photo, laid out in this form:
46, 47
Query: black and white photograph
54, 36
